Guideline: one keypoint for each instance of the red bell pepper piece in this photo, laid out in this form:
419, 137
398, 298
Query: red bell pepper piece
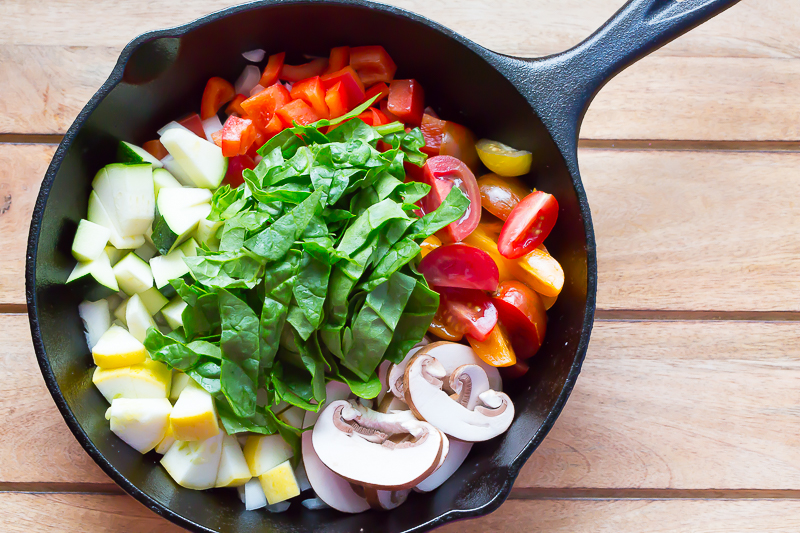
336, 100
351, 84
373, 117
340, 58
156, 149
311, 92
261, 107
272, 70
236, 165
407, 101
432, 131
293, 73
237, 136
275, 126
389, 114
194, 124
236, 106
380, 89
373, 64
298, 111
218, 91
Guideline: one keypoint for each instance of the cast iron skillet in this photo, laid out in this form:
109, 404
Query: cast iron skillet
534, 104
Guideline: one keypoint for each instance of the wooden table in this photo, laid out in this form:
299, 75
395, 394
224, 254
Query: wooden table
686, 415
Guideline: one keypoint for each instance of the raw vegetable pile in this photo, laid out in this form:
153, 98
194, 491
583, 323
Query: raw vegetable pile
296, 255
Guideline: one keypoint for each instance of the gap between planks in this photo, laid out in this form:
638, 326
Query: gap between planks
516, 494
606, 144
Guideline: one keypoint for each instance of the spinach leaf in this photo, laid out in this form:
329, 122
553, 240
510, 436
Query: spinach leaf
413, 325
399, 255
279, 280
275, 241
367, 389
239, 269
240, 349
371, 220
454, 207
312, 287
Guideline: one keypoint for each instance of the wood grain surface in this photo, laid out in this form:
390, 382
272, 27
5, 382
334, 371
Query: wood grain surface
685, 417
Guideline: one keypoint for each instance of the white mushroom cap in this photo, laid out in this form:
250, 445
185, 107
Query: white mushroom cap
334, 390
386, 452
383, 375
492, 415
452, 355
391, 403
330, 487
468, 382
457, 454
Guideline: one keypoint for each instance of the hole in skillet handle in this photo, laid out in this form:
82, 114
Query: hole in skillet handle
151, 59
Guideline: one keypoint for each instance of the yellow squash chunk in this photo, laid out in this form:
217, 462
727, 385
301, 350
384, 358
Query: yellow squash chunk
117, 348
150, 379
264, 452
233, 470
194, 416
167, 442
279, 483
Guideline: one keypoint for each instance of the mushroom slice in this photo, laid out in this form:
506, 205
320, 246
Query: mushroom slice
385, 500
455, 458
383, 375
452, 355
468, 382
330, 487
391, 403
334, 390
492, 414
385, 452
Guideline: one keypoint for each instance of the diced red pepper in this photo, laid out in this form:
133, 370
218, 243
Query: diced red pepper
432, 131
373, 64
261, 107
407, 101
351, 84
336, 100
194, 124
340, 58
430, 111
298, 111
380, 89
373, 117
237, 136
272, 70
156, 149
261, 138
293, 73
236, 106
236, 166
275, 126
218, 91
389, 114
312, 93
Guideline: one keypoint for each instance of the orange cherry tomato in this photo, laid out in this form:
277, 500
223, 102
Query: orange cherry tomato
499, 195
218, 91
444, 332
429, 245
540, 271
480, 238
496, 348
523, 314
491, 224
548, 301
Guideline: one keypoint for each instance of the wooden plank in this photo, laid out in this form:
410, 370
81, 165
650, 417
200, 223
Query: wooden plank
675, 230
77, 513
528, 28
732, 79
670, 405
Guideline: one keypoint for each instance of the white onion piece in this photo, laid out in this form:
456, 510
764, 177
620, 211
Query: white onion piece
288, 85
211, 125
254, 55
257, 89
247, 80
170, 126
315, 504
278, 507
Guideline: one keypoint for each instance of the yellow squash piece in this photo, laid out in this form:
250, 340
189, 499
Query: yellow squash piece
233, 470
167, 442
279, 483
117, 348
264, 452
194, 416
502, 159
150, 379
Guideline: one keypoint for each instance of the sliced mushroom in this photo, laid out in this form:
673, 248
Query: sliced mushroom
384, 500
452, 355
391, 403
492, 414
383, 374
455, 458
330, 487
334, 390
467, 382
375, 450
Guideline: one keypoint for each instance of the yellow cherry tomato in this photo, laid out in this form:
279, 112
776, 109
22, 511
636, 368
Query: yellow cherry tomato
501, 195
504, 160
481, 238
446, 332
548, 301
429, 245
496, 350
540, 271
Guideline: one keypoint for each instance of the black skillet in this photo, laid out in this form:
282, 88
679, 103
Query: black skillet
532, 104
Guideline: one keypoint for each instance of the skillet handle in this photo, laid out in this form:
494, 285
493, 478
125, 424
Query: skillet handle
561, 87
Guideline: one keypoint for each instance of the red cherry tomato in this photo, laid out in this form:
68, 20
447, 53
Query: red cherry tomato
442, 172
373, 64
460, 265
528, 225
522, 313
236, 165
515, 371
459, 141
467, 311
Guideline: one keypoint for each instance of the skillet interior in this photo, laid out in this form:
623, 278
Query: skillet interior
164, 79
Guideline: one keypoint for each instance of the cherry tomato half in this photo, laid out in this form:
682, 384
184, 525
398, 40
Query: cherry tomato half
496, 348
487, 242
429, 245
466, 311
522, 313
502, 159
443, 332
499, 195
540, 271
528, 224
460, 265
432, 130
515, 371
442, 173
459, 141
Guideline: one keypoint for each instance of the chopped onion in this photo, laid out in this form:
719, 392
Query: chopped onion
257, 159
257, 89
315, 504
254, 55
211, 125
278, 507
301, 477
247, 79
170, 126
288, 85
